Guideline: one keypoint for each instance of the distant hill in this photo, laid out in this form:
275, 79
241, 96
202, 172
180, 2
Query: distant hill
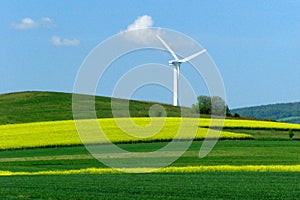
286, 112
23, 107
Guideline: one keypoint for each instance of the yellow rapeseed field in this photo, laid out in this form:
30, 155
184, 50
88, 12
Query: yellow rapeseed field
59, 133
252, 124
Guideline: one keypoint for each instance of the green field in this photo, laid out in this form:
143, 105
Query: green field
207, 185
24, 107
42, 156
213, 185
234, 153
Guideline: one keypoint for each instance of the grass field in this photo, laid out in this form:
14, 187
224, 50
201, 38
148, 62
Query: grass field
207, 185
212, 185
45, 159
231, 153
25, 107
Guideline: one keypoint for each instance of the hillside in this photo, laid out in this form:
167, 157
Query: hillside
287, 112
23, 107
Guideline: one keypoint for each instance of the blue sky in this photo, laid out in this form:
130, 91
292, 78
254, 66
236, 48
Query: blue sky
255, 44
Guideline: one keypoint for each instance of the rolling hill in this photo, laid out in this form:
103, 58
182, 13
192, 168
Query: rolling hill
24, 107
38, 159
285, 112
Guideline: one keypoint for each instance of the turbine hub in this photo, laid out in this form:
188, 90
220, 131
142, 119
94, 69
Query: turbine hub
174, 62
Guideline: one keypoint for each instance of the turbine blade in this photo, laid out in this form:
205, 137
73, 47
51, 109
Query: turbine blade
192, 56
169, 49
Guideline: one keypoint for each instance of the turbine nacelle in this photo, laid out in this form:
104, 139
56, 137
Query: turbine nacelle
177, 62
174, 62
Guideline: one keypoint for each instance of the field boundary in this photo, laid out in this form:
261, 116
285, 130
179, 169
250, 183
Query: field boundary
186, 169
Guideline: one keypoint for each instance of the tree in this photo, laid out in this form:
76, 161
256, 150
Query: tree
214, 105
204, 104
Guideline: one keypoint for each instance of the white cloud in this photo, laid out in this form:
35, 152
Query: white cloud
57, 41
140, 30
28, 23
144, 21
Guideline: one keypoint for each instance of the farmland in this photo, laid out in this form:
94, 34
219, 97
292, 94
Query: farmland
225, 153
107, 183
41, 151
63, 133
218, 185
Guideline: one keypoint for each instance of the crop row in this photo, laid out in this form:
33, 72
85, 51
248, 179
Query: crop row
185, 169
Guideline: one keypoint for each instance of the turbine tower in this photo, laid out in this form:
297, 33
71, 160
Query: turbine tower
177, 62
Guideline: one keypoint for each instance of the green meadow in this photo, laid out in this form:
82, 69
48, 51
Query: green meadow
260, 166
211, 185
46, 159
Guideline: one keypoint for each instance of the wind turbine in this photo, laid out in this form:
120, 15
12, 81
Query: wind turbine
177, 62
